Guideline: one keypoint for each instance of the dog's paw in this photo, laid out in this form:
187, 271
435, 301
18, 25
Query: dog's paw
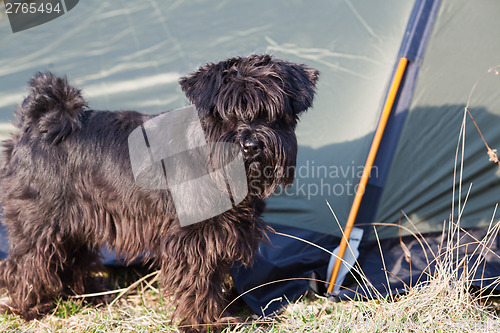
227, 323
28, 315
5, 309
224, 324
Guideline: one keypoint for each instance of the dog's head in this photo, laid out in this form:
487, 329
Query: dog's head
254, 102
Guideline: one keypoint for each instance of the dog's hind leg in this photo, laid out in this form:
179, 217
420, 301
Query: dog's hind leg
42, 268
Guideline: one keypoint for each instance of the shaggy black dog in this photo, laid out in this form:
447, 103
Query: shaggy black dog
67, 188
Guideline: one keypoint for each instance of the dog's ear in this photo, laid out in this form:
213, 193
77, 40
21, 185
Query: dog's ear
201, 86
301, 86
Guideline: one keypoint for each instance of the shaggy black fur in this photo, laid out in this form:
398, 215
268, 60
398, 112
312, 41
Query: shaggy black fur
67, 188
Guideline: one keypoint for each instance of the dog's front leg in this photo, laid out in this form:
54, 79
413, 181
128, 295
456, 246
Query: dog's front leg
195, 277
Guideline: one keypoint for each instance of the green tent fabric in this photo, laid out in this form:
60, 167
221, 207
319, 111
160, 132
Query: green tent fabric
460, 51
129, 56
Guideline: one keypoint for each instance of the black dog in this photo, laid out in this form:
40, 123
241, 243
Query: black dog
67, 188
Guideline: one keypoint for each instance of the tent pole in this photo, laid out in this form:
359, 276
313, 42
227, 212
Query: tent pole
396, 82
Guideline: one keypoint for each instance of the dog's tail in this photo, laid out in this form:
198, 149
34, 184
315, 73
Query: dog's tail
53, 108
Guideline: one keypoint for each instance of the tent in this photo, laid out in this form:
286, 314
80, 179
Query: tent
129, 55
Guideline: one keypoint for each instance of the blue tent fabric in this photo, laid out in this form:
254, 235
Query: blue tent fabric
284, 258
291, 259
4, 243
400, 276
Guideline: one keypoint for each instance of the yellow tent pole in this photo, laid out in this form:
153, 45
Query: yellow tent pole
396, 82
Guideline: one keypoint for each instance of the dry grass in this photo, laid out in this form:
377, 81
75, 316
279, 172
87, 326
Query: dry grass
431, 309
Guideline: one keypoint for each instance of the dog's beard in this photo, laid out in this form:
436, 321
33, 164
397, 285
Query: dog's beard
264, 177
262, 182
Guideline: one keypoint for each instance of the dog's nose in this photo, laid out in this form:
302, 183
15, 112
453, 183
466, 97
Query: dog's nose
251, 147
